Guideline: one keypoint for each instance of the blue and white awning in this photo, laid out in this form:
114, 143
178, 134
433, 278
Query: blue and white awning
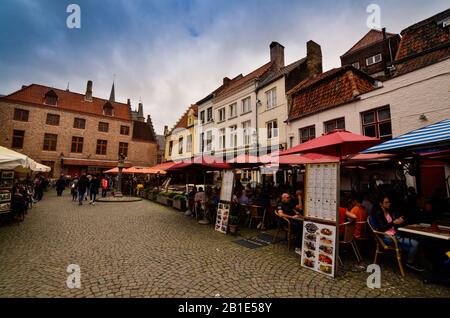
436, 136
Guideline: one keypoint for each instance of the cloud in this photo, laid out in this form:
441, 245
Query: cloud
173, 53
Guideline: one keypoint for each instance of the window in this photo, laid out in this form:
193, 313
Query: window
18, 137
51, 98
189, 143
271, 97
50, 142
159, 159
209, 139
123, 149
50, 164
103, 127
246, 132
209, 114
202, 142
246, 105
356, 65
124, 130
180, 145
233, 136
272, 129
377, 123
222, 138
21, 114
202, 116
233, 110
52, 119
222, 114
101, 147
108, 109
334, 124
79, 123
170, 147
307, 133
77, 145
373, 60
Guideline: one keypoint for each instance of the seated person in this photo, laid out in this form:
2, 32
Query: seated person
358, 214
382, 220
344, 216
286, 209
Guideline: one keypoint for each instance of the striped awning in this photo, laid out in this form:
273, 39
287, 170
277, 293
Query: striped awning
436, 136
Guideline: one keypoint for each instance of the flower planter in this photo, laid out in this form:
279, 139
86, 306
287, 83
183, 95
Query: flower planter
161, 199
233, 229
169, 202
179, 204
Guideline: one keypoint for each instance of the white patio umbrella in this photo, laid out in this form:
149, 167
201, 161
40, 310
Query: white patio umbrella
13, 160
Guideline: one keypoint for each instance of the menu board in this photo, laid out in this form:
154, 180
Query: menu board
223, 213
226, 191
321, 191
319, 247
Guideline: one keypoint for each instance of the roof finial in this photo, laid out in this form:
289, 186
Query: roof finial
112, 96
68, 84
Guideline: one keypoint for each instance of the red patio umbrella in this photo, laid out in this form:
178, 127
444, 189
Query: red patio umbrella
336, 143
203, 162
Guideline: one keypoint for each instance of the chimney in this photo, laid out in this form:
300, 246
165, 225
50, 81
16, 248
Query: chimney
384, 33
277, 54
226, 80
141, 113
313, 58
88, 95
129, 103
166, 130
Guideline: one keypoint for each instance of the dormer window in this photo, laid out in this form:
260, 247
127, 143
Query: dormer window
108, 109
51, 98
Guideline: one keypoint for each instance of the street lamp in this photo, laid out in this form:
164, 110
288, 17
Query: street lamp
120, 167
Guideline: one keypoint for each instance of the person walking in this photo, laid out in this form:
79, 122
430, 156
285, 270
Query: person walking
60, 185
73, 188
104, 186
82, 186
94, 185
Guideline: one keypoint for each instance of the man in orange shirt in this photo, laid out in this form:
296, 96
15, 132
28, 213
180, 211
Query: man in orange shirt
360, 213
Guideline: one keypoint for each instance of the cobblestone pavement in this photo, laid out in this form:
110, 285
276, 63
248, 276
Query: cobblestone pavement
142, 249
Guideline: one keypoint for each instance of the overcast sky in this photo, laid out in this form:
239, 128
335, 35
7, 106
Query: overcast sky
172, 53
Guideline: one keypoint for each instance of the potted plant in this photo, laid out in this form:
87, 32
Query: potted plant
152, 194
233, 224
170, 196
179, 202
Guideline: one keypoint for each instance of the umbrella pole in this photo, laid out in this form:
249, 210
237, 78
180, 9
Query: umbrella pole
204, 221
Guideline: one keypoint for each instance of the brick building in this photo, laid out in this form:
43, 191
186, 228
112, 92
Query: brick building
75, 133
374, 53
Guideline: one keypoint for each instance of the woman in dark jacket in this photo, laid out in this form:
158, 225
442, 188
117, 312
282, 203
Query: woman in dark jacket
383, 220
94, 186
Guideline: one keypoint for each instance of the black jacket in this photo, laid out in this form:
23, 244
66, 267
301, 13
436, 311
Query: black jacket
83, 184
379, 220
95, 184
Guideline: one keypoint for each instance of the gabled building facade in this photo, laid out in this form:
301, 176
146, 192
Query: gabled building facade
74, 133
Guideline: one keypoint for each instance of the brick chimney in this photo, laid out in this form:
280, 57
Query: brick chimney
88, 95
226, 80
166, 130
277, 54
313, 58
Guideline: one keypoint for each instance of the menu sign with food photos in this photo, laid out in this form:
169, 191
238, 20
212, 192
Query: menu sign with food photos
223, 213
319, 248
321, 191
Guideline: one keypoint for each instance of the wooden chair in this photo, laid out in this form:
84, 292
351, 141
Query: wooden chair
383, 248
255, 214
348, 239
287, 227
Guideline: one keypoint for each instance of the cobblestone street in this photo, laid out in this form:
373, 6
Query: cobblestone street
142, 249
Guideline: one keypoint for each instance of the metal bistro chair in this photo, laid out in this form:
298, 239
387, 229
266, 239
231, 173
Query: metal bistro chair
285, 227
255, 214
348, 239
364, 238
383, 248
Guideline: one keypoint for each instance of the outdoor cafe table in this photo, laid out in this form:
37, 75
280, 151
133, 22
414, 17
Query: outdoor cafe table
442, 232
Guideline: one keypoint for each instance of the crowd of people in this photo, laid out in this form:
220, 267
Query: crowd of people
87, 187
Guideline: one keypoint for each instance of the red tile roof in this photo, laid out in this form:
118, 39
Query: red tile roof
35, 94
183, 121
373, 36
241, 81
423, 44
327, 90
